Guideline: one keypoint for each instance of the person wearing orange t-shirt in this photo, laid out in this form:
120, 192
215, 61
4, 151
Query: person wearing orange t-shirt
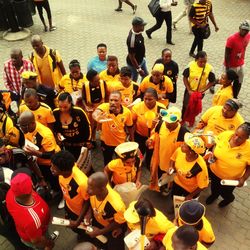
114, 119
73, 183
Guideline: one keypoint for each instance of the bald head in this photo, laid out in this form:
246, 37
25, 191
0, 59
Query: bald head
27, 122
100, 179
85, 246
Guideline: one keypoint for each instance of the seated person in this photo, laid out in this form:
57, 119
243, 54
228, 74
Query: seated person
127, 167
41, 111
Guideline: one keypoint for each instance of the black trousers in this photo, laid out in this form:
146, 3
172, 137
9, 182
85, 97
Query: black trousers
178, 190
141, 140
44, 4
226, 192
198, 39
160, 17
108, 152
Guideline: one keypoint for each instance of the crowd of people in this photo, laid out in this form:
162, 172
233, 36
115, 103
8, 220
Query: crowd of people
51, 120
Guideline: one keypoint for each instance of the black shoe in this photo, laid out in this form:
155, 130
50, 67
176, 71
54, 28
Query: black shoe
171, 43
148, 34
118, 9
192, 54
134, 9
211, 199
224, 203
211, 90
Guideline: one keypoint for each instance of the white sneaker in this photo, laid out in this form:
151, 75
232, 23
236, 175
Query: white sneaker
54, 235
61, 204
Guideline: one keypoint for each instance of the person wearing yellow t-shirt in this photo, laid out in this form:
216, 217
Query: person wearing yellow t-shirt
221, 118
73, 183
41, 111
158, 81
74, 80
156, 222
191, 170
232, 162
192, 213
128, 88
44, 139
198, 76
228, 90
47, 62
185, 237
169, 132
145, 116
111, 75
127, 167
107, 212
114, 119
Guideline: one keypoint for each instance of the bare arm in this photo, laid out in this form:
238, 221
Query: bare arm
62, 69
131, 133
135, 63
108, 173
227, 56
211, 17
244, 177
193, 194
187, 85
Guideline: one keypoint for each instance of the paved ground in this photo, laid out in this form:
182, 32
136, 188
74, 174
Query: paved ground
84, 24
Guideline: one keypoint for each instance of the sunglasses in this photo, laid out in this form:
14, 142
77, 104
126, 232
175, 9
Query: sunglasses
172, 117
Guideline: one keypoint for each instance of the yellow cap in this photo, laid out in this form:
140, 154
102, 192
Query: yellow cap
171, 115
28, 74
127, 150
158, 67
195, 143
131, 215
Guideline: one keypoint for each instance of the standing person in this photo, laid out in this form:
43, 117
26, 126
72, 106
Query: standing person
116, 121
133, 6
235, 51
40, 4
158, 81
73, 183
48, 63
30, 212
72, 124
198, 16
188, 4
136, 49
171, 69
99, 62
195, 78
74, 80
107, 209
13, 70
164, 14
232, 162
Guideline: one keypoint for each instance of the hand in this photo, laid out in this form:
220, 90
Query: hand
94, 233
74, 223
190, 92
216, 28
138, 184
116, 232
154, 122
241, 182
101, 116
149, 143
141, 72
87, 219
31, 151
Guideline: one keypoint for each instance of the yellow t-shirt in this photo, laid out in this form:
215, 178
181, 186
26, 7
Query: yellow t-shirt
121, 173
195, 74
109, 79
74, 189
167, 240
190, 175
167, 87
217, 123
170, 139
69, 84
138, 113
230, 162
45, 140
110, 209
43, 113
159, 224
113, 132
222, 95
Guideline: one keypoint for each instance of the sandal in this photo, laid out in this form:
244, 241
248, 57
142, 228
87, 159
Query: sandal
52, 28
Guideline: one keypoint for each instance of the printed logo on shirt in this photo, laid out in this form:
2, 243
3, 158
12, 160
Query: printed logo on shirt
238, 156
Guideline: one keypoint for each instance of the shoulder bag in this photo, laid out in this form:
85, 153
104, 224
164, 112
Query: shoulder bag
154, 7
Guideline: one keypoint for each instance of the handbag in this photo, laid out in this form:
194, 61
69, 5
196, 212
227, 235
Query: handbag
154, 7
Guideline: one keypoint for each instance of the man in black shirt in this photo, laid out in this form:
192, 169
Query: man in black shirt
45, 94
136, 49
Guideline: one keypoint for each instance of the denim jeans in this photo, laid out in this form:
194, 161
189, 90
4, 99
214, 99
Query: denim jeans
135, 74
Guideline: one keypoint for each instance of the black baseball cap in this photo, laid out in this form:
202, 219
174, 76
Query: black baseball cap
138, 21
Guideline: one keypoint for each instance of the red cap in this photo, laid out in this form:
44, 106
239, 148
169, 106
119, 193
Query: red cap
21, 184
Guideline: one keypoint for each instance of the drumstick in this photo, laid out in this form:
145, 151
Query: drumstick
64, 222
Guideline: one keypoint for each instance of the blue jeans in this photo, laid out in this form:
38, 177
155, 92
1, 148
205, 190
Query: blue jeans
135, 74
